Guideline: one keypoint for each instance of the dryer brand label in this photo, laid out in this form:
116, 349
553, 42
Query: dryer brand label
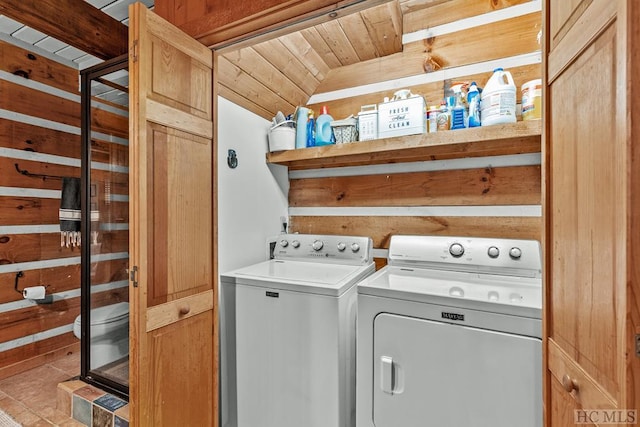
272, 294
453, 316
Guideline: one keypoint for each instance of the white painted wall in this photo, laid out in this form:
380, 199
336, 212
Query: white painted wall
251, 197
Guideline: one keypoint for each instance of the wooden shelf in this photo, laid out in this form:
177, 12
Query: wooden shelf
515, 138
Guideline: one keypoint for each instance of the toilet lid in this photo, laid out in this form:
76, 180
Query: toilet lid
109, 313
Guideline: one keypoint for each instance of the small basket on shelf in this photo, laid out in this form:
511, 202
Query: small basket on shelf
345, 130
282, 136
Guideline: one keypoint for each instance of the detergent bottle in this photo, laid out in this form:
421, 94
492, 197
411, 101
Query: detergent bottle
473, 100
499, 99
324, 132
311, 130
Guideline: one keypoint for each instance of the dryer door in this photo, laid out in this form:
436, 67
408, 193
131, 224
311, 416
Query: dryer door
433, 373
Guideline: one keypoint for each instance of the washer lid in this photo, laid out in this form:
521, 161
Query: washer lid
302, 276
497, 294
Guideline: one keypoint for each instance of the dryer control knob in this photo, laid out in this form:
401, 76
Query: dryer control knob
493, 252
342, 246
295, 244
515, 253
457, 250
284, 243
355, 247
317, 245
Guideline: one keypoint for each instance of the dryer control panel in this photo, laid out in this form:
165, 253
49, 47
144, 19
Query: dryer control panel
327, 248
471, 254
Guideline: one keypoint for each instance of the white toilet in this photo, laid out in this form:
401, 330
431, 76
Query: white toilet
109, 333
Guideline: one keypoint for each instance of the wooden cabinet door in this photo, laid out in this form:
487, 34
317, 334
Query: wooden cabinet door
590, 269
172, 356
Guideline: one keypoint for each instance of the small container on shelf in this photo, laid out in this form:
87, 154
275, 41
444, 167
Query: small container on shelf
282, 136
368, 122
345, 130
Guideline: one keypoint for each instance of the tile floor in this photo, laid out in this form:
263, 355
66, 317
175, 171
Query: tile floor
31, 396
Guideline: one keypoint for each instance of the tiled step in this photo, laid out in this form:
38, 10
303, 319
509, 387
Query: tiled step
92, 406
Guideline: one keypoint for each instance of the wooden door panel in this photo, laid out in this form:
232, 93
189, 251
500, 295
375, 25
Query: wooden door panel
181, 397
172, 346
563, 14
181, 189
584, 191
188, 94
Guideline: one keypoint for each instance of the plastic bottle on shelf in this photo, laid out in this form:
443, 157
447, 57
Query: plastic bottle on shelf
433, 119
499, 99
311, 130
443, 118
301, 116
473, 100
324, 132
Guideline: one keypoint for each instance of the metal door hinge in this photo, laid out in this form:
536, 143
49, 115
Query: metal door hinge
134, 51
638, 345
133, 275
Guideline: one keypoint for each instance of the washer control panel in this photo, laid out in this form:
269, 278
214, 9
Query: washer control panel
484, 255
349, 249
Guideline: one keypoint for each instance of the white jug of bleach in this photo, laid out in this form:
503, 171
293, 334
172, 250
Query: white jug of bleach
499, 99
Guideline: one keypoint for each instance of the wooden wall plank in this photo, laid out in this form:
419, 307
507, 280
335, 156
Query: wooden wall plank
251, 88
29, 65
74, 22
28, 211
301, 49
356, 31
517, 185
517, 36
263, 71
22, 99
321, 46
59, 279
119, 181
40, 211
31, 320
17, 248
384, 25
333, 35
433, 13
381, 228
277, 54
23, 136
38, 353
432, 92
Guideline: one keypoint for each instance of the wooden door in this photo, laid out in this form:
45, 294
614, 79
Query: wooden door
591, 275
173, 340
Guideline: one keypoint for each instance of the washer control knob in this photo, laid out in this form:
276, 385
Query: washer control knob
515, 253
355, 247
342, 246
457, 250
493, 252
317, 245
284, 243
295, 244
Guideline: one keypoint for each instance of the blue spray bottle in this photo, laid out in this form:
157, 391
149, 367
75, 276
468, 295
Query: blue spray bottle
311, 130
473, 100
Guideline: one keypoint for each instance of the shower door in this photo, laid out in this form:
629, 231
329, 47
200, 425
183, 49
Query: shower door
105, 226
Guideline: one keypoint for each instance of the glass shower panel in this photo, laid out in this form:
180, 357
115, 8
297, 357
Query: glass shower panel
106, 292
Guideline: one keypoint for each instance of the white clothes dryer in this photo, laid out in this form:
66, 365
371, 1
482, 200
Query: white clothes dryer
289, 333
449, 335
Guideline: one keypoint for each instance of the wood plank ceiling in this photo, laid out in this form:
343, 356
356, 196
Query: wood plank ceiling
282, 73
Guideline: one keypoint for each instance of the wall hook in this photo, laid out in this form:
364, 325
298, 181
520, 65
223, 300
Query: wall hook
232, 159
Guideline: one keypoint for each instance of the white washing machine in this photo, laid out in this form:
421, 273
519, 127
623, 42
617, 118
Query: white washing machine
449, 335
293, 360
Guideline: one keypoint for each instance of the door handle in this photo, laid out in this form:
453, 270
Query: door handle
185, 309
386, 374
